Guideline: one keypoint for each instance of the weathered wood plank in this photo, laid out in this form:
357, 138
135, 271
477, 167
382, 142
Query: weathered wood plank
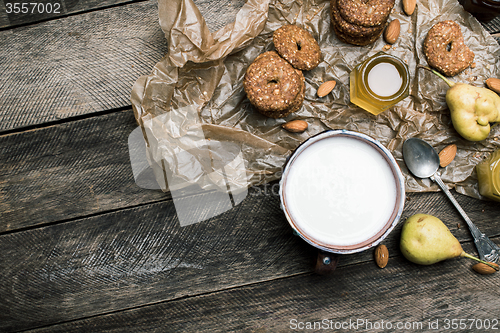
85, 63
138, 256
76, 65
50, 10
82, 168
356, 298
218, 14
69, 170
493, 26
132, 257
4, 19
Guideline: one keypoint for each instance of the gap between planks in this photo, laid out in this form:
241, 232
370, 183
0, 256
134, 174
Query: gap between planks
83, 217
79, 117
67, 14
242, 286
186, 297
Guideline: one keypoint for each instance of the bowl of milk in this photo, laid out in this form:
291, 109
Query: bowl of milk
342, 191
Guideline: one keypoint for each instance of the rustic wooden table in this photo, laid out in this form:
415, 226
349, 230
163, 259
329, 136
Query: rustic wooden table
83, 248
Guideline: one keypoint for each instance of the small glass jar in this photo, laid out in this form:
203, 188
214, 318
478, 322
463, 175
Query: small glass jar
483, 10
379, 82
488, 176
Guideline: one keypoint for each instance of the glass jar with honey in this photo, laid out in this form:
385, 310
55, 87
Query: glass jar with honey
488, 176
379, 82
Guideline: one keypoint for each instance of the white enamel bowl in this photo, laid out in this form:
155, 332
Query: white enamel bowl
342, 191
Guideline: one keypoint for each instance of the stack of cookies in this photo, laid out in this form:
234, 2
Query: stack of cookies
359, 22
274, 82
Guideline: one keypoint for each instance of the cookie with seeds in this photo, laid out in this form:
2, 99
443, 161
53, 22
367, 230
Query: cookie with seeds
349, 29
445, 49
364, 13
297, 46
358, 41
272, 85
295, 105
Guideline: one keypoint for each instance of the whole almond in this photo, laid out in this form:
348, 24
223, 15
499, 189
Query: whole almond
295, 126
493, 84
381, 256
391, 33
409, 6
326, 88
447, 155
484, 269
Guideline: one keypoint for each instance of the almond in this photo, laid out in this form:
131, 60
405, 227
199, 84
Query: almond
447, 155
391, 33
381, 256
409, 6
493, 84
295, 126
484, 269
326, 88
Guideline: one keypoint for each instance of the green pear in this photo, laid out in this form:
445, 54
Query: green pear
426, 240
473, 109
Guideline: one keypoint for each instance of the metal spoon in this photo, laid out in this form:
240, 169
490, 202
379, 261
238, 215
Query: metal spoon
423, 161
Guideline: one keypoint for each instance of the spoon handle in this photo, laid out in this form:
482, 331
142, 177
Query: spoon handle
487, 250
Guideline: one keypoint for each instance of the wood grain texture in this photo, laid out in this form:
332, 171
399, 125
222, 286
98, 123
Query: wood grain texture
220, 13
140, 256
76, 65
65, 7
358, 295
69, 170
97, 253
82, 168
83, 64
493, 26
4, 18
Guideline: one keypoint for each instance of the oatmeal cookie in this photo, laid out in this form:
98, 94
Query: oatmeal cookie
364, 13
352, 30
445, 49
358, 41
294, 107
272, 85
297, 46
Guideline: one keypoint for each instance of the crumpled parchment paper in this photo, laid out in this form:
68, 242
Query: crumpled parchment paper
197, 120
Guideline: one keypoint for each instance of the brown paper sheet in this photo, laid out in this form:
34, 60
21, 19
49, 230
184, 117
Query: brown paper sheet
194, 111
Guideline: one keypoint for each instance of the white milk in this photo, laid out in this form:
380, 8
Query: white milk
384, 79
340, 191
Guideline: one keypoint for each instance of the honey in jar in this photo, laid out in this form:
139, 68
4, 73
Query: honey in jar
488, 176
379, 82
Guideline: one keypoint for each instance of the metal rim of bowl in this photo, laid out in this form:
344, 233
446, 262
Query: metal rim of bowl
400, 194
